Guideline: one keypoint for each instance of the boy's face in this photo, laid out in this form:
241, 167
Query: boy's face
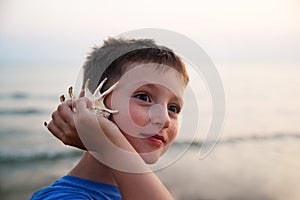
149, 102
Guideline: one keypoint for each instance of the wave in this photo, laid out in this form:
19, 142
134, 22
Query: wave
231, 140
16, 95
22, 111
260, 138
38, 157
25, 95
74, 153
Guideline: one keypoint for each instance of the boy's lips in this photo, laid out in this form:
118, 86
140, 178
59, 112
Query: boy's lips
159, 137
156, 140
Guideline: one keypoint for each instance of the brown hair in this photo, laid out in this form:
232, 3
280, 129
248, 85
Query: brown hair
111, 59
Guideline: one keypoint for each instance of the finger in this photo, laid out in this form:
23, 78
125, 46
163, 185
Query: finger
114, 134
107, 125
82, 104
64, 133
63, 125
66, 113
59, 134
81, 93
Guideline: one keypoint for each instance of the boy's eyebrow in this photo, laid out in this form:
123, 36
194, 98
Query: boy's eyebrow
153, 86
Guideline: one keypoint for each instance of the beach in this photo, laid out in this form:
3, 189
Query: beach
264, 169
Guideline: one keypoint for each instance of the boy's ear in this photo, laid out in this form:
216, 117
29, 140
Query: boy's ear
81, 94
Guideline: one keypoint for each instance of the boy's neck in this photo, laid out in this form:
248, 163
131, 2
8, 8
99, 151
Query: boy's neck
91, 169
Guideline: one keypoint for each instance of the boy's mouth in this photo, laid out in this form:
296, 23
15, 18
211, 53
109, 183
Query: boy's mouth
159, 137
156, 137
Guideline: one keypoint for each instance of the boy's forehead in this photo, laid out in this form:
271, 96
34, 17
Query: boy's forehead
137, 75
153, 71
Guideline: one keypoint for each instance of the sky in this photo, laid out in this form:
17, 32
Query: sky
63, 31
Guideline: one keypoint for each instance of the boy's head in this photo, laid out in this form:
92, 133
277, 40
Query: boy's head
111, 59
148, 112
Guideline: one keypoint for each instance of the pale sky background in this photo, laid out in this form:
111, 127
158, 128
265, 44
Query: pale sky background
63, 31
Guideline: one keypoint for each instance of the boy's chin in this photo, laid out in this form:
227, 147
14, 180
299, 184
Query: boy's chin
150, 158
154, 156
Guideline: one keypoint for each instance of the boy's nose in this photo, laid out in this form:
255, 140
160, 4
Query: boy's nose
159, 115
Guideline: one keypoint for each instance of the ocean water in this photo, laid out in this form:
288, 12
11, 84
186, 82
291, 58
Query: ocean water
257, 156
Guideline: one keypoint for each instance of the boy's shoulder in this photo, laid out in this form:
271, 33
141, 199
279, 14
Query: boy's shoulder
71, 187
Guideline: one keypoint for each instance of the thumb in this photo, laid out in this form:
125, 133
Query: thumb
114, 134
82, 103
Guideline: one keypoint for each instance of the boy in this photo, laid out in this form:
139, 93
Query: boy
148, 98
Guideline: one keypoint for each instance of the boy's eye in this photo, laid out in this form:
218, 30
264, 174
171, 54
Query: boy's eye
143, 97
174, 108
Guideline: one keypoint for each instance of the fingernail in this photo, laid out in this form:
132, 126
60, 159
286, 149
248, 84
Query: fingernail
62, 98
45, 124
71, 92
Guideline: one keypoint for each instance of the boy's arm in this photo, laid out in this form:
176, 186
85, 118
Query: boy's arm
131, 185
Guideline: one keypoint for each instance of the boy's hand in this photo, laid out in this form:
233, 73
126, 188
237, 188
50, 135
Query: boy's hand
104, 140
62, 125
98, 135
96, 131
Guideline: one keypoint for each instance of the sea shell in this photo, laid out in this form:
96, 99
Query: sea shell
97, 98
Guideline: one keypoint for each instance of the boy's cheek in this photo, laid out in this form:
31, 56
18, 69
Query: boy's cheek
139, 115
173, 136
132, 119
173, 131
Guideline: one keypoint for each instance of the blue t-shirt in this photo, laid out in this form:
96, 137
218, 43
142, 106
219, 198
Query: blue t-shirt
71, 187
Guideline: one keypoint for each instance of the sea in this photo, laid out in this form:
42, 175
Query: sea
257, 156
